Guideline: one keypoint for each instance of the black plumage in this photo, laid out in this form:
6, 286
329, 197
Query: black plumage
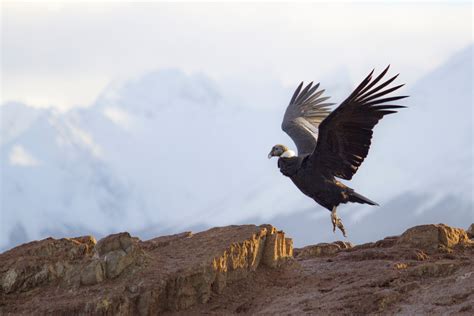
333, 144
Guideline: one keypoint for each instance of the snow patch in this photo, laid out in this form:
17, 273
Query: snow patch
117, 116
19, 156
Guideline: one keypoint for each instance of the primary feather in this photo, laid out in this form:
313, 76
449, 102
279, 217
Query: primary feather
345, 135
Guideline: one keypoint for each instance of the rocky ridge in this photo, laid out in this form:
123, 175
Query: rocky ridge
243, 269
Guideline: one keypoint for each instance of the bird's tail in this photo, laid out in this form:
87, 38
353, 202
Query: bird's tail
356, 197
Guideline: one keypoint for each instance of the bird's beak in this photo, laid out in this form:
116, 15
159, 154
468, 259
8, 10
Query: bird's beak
270, 155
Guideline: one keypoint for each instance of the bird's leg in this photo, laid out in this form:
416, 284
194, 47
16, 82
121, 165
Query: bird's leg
336, 221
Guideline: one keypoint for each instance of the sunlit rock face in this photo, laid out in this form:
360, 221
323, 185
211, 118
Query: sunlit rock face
165, 273
240, 269
434, 237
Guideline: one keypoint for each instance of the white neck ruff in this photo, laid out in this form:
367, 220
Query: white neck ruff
288, 154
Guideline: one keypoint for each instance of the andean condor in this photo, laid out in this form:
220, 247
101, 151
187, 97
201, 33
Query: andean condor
332, 144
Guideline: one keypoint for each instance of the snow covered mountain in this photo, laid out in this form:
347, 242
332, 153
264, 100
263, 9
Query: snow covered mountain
167, 151
157, 151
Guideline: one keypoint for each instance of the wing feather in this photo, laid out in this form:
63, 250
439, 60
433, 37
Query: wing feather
307, 109
345, 135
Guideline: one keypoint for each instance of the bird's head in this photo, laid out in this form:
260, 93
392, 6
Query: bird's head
281, 151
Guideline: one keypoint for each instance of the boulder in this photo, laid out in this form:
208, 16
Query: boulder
433, 237
115, 253
120, 241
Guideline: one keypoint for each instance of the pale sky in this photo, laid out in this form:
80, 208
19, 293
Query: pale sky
65, 54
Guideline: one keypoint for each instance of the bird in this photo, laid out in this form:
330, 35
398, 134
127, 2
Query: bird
332, 145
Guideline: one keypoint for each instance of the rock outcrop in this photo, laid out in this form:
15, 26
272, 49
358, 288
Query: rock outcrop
433, 237
123, 275
246, 269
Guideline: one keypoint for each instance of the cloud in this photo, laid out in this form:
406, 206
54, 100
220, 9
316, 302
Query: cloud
19, 156
65, 56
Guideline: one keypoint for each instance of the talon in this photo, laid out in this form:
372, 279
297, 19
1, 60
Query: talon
341, 227
336, 221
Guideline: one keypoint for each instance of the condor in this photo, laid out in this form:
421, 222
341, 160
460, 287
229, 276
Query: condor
333, 144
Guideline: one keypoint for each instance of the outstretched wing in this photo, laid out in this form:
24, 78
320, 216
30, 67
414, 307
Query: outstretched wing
345, 135
303, 116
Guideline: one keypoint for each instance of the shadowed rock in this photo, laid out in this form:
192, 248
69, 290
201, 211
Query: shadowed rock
470, 231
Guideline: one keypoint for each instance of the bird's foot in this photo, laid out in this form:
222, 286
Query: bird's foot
341, 228
337, 222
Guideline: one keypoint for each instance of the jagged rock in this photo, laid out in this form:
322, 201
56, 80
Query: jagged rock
433, 237
244, 269
277, 246
248, 247
166, 273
